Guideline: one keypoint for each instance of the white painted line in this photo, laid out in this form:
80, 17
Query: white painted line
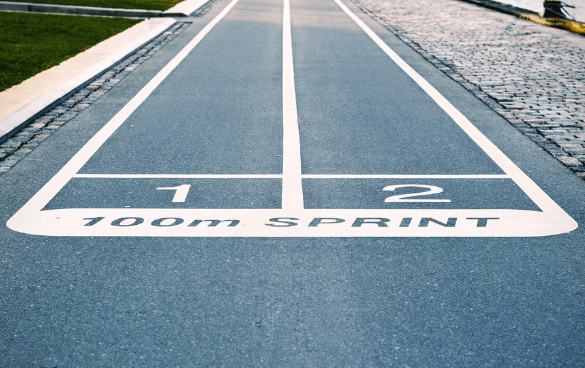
53, 187
278, 176
292, 187
495, 176
537, 195
176, 176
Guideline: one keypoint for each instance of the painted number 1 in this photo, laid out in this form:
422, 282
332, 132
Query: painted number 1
180, 192
431, 189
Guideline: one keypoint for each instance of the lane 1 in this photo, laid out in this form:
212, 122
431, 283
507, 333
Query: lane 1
204, 118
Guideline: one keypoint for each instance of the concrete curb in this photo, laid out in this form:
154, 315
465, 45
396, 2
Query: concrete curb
182, 9
503, 8
14, 122
567, 25
78, 10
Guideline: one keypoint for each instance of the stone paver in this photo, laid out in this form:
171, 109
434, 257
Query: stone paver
532, 75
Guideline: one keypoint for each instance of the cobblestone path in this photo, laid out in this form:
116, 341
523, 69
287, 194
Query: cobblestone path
532, 75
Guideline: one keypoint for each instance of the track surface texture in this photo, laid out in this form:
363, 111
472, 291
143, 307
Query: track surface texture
292, 185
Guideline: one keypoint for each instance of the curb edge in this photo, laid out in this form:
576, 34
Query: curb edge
564, 24
14, 122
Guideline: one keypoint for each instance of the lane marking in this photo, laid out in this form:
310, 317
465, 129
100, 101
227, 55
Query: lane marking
279, 176
292, 186
178, 176
494, 176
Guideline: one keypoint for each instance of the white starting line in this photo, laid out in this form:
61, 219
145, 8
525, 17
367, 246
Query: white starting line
292, 220
278, 176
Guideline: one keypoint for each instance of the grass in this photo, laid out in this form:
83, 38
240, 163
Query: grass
31, 43
124, 4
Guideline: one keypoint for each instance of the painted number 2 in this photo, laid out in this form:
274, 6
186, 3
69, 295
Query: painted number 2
431, 189
180, 192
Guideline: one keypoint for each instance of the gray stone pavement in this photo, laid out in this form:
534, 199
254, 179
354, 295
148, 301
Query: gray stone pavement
532, 75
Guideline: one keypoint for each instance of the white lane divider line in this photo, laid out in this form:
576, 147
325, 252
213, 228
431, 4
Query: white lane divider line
537, 195
292, 188
43, 196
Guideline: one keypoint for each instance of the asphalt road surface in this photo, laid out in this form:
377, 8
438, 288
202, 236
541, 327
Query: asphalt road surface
288, 184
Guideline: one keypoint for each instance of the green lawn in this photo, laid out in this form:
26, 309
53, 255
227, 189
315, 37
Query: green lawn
125, 4
31, 43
